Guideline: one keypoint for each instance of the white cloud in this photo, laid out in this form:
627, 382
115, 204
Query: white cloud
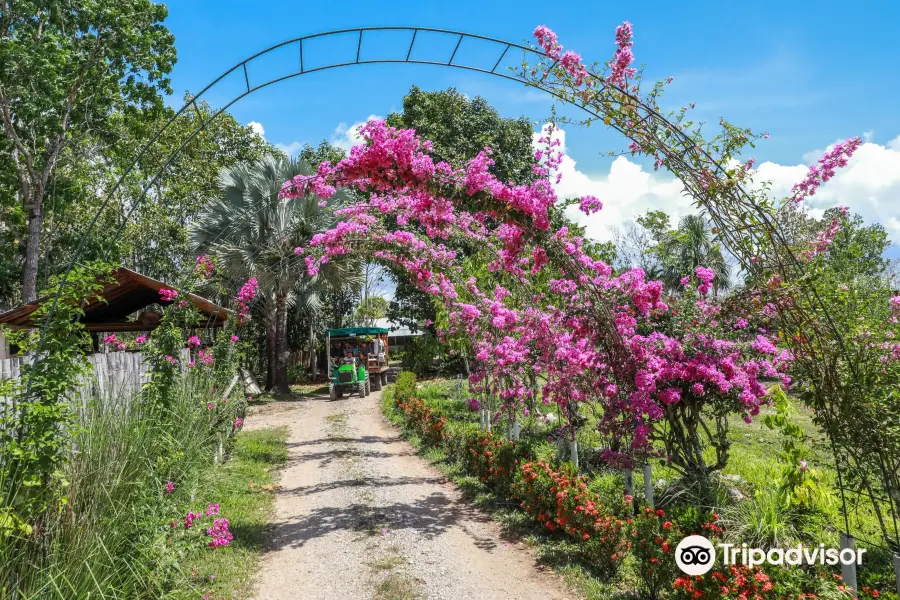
257, 128
868, 185
869, 136
291, 149
626, 192
346, 137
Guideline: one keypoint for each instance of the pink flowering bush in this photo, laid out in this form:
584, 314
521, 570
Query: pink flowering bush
594, 336
201, 528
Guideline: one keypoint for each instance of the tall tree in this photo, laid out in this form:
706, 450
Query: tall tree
459, 128
690, 246
64, 67
251, 232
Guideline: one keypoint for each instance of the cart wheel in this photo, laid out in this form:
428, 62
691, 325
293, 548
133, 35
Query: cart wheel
332, 392
376, 382
339, 391
383, 377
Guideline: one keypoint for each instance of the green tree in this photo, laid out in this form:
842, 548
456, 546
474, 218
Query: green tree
251, 232
63, 70
324, 151
459, 128
370, 310
690, 246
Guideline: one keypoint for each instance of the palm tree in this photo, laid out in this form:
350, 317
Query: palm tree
251, 232
690, 246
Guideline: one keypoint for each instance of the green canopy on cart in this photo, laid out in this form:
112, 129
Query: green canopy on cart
356, 331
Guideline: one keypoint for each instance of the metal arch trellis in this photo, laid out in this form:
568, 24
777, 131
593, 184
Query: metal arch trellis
687, 163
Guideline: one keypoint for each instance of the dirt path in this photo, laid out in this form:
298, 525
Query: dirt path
359, 515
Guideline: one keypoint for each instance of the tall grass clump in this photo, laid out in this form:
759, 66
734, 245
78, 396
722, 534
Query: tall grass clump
109, 538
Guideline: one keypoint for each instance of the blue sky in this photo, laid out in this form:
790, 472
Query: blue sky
807, 73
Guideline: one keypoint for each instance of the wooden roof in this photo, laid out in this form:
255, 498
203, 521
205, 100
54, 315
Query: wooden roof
129, 293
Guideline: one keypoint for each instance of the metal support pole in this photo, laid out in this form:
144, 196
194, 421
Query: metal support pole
629, 482
516, 429
848, 571
648, 485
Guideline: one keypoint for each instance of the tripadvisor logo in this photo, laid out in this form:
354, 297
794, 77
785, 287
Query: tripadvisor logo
696, 555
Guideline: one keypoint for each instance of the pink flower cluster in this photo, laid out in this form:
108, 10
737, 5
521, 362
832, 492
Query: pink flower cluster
824, 238
244, 297
621, 62
206, 357
547, 40
219, 533
205, 267
589, 205
112, 340
825, 169
706, 277
167, 294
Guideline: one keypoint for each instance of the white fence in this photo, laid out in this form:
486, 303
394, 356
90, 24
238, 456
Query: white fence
115, 376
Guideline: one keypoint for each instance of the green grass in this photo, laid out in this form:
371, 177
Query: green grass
243, 487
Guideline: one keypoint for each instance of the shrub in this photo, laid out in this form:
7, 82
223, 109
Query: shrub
653, 541
425, 354
493, 459
405, 389
423, 419
735, 581
562, 501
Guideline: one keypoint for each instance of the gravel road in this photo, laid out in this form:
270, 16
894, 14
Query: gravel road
359, 515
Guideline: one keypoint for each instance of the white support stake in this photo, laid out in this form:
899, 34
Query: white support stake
897, 571
231, 386
573, 453
648, 485
629, 482
848, 571
516, 430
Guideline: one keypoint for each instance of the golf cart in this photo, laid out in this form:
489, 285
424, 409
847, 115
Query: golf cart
357, 360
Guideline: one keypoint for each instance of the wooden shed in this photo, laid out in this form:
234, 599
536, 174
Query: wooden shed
120, 307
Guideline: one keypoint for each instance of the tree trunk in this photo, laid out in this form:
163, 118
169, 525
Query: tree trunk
270, 348
33, 246
281, 350
313, 355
